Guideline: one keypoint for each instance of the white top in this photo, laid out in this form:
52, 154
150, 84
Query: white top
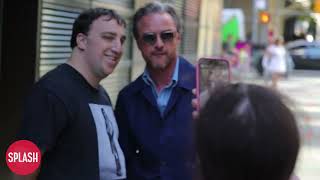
107, 157
276, 59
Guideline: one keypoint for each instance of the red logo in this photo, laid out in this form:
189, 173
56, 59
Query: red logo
23, 157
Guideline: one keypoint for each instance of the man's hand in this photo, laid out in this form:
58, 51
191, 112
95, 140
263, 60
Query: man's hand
194, 104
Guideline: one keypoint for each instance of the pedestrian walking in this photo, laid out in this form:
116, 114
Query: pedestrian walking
275, 62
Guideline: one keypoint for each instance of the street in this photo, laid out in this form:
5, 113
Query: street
302, 87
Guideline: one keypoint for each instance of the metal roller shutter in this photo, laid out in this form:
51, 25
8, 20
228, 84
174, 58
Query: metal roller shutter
55, 32
190, 33
120, 3
178, 4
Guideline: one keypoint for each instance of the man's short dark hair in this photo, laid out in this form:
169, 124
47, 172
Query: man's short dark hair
151, 8
85, 19
246, 132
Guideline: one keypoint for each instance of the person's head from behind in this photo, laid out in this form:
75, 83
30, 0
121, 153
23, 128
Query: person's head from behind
246, 132
98, 35
156, 28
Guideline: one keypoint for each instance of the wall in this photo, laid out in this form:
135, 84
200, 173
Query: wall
18, 57
209, 29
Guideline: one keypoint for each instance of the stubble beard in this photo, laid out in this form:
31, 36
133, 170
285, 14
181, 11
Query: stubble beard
158, 66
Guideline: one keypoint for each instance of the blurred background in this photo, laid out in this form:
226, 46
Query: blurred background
35, 34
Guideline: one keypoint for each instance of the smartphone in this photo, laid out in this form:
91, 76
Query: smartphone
210, 72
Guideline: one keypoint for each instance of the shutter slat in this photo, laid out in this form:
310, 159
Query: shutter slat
56, 25
61, 8
54, 37
55, 49
57, 19
54, 55
56, 31
122, 3
52, 61
59, 13
55, 43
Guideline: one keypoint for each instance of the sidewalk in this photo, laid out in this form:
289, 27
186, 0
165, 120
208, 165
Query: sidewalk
302, 87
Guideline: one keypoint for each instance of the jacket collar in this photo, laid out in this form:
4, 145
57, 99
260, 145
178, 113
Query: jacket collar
187, 76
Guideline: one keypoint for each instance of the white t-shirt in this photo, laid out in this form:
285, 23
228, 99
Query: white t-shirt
276, 59
107, 156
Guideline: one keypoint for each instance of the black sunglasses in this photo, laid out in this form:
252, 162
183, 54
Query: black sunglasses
151, 38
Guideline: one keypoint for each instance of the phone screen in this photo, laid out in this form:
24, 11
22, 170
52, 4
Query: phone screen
210, 74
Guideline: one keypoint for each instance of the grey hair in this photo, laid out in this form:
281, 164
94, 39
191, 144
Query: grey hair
151, 8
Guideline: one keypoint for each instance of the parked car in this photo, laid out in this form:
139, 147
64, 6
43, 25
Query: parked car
305, 55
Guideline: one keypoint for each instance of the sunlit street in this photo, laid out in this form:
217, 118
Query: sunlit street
302, 87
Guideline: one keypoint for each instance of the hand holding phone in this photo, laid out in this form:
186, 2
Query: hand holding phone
211, 72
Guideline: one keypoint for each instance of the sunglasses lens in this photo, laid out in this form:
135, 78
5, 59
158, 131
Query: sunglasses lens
149, 38
167, 36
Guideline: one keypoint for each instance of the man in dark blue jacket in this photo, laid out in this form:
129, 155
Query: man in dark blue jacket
154, 112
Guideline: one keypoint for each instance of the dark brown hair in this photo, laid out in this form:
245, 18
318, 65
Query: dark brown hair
86, 18
246, 132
